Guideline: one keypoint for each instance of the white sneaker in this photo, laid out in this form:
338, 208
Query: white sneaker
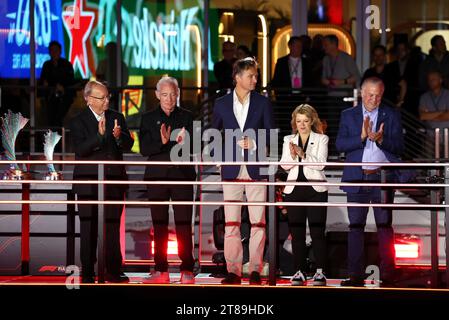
187, 277
319, 279
158, 277
298, 279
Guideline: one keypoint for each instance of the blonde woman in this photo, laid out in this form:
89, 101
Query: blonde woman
306, 144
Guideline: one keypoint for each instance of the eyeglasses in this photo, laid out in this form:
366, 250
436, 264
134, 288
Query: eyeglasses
107, 97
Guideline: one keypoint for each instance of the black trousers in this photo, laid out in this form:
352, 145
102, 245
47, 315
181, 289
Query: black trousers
183, 223
88, 215
316, 216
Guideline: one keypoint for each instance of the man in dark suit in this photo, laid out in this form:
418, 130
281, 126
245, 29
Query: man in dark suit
223, 68
243, 114
369, 132
155, 130
292, 70
57, 77
99, 134
292, 74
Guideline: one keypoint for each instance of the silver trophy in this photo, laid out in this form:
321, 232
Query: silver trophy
11, 124
51, 140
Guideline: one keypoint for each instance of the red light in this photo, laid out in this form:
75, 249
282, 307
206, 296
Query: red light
407, 249
172, 247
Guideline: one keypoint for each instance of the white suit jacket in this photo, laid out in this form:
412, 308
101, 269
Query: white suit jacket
316, 152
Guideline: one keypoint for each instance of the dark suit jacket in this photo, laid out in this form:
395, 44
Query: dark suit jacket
349, 141
260, 116
223, 74
282, 78
152, 147
89, 145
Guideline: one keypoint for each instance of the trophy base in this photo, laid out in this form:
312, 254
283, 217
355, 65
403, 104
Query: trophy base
53, 176
16, 174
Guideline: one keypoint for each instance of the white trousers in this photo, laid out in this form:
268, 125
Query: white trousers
233, 249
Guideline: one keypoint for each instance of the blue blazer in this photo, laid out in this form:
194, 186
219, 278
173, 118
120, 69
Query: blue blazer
349, 141
260, 116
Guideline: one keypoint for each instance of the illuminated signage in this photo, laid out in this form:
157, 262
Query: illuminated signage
15, 35
78, 23
152, 40
156, 36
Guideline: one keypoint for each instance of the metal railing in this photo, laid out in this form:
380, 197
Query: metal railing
200, 101
271, 202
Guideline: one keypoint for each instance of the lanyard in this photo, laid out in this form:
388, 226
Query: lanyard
295, 68
333, 65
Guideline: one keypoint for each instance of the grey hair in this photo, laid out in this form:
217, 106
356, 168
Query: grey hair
373, 81
167, 80
89, 86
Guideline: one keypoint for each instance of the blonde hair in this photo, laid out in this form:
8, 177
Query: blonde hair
310, 113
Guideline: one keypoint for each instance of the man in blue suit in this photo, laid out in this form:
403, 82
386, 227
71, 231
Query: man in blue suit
246, 118
369, 132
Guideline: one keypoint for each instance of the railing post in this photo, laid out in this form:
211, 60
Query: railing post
63, 146
70, 241
383, 191
356, 97
446, 220
101, 231
434, 199
437, 143
446, 143
25, 243
272, 234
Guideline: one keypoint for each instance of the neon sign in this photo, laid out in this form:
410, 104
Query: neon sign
155, 36
15, 55
78, 24
149, 41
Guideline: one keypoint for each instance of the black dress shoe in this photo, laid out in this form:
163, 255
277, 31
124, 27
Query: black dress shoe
232, 278
254, 278
353, 282
87, 279
116, 278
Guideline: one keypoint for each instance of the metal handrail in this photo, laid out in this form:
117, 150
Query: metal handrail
101, 202
233, 163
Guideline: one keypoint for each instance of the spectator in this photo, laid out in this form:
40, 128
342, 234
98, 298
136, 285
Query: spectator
107, 72
437, 60
243, 52
223, 68
316, 58
339, 72
434, 106
379, 60
292, 70
306, 45
57, 77
401, 86
339, 69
